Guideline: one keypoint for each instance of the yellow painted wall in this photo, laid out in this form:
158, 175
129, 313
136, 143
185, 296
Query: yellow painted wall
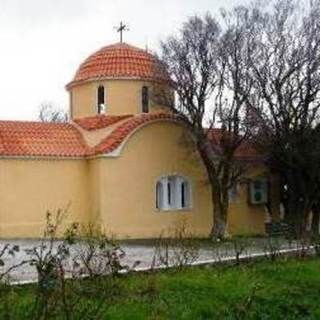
245, 218
118, 192
28, 188
95, 191
122, 97
127, 187
128, 184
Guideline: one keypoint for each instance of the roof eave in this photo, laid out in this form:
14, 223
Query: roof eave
74, 83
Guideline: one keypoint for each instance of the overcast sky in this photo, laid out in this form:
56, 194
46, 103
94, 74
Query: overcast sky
42, 42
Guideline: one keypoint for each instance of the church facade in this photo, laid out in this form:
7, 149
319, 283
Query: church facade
123, 160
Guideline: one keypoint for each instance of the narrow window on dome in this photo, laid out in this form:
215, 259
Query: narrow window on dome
101, 100
145, 99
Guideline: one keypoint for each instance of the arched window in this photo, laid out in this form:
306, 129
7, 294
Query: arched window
145, 99
101, 95
173, 193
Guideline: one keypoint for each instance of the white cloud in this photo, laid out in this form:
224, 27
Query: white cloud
42, 42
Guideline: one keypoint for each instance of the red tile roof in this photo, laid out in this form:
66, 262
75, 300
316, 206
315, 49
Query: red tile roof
22, 138
99, 121
114, 140
245, 151
26, 138
120, 60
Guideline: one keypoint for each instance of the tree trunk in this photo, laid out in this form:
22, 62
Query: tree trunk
298, 216
296, 221
219, 203
315, 221
218, 230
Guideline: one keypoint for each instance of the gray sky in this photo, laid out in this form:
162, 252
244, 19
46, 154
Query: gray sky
42, 42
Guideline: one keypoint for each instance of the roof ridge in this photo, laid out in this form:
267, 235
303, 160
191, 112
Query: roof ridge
120, 133
34, 122
81, 139
120, 45
100, 121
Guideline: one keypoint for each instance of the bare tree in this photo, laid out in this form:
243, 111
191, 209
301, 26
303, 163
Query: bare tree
285, 60
49, 113
208, 68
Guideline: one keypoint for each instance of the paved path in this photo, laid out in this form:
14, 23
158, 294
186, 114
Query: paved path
134, 252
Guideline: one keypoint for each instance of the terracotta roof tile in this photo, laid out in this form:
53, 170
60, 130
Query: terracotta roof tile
245, 151
23, 138
99, 121
114, 140
120, 60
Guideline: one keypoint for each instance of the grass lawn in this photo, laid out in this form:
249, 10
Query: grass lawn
262, 290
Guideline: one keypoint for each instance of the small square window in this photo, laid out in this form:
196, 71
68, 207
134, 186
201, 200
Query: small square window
259, 191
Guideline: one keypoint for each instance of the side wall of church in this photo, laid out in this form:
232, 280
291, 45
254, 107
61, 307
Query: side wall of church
127, 186
30, 188
119, 192
248, 219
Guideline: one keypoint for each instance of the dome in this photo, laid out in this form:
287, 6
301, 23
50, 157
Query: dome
120, 61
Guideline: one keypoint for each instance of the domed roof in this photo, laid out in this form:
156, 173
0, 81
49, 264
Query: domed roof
120, 61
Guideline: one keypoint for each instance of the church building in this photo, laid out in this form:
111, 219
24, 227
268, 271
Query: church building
123, 160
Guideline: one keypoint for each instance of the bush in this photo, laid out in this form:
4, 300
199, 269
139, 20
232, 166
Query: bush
177, 250
85, 255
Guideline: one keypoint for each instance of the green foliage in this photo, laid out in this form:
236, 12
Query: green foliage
279, 290
80, 276
69, 270
316, 244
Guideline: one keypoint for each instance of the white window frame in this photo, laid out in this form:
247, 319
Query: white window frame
172, 198
265, 191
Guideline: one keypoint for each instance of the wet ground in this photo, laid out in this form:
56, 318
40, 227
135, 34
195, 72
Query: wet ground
142, 251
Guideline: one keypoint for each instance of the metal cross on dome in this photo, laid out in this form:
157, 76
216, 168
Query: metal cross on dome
123, 27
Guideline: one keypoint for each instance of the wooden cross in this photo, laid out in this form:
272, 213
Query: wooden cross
123, 27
